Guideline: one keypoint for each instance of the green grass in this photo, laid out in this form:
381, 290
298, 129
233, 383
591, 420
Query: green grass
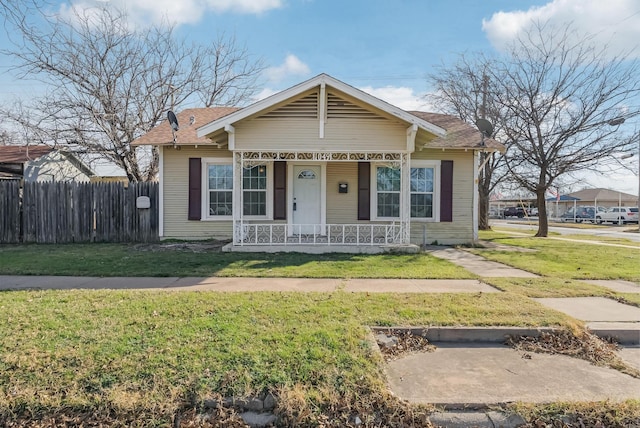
144, 355
564, 259
137, 260
157, 350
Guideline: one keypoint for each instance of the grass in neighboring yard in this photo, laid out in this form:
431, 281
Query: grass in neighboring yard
128, 350
564, 259
137, 260
601, 414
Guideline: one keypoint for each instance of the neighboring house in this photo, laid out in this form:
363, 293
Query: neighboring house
41, 163
321, 164
591, 197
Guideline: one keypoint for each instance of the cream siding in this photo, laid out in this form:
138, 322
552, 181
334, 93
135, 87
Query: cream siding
342, 208
293, 134
176, 195
460, 230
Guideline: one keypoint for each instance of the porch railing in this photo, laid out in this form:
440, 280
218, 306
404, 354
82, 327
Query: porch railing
316, 234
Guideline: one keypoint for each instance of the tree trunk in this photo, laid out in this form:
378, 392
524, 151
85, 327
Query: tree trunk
483, 210
543, 223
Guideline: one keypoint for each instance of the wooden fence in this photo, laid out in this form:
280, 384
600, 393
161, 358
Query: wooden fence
57, 212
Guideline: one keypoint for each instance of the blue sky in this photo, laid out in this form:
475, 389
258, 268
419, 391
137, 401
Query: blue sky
385, 47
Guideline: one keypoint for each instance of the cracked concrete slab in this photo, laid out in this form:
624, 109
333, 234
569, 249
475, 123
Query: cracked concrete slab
466, 375
593, 308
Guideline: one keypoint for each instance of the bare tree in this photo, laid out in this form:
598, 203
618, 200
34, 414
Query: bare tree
464, 89
109, 83
561, 99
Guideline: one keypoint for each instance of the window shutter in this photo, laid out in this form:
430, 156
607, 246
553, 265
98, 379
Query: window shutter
364, 190
279, 190
195, 189
446, 190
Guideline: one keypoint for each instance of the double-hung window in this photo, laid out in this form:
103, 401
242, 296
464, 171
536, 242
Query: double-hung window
219, 189
254, 191
387, 192
424, 182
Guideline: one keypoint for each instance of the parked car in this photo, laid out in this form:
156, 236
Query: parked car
533, 212
618, 215
514, 212
582, 213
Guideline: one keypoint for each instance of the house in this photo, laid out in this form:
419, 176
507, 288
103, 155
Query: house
319, 165
601, 197
41, 163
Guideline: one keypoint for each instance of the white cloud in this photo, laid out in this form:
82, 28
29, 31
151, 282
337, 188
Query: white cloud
615, 23
292, 66
265, 93
399, 96
143, 12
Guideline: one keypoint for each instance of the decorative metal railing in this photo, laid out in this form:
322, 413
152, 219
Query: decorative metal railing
316, 234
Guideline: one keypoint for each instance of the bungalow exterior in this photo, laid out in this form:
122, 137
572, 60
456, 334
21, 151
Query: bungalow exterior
321, 165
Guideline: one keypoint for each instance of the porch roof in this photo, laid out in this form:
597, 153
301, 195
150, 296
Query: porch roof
322, 79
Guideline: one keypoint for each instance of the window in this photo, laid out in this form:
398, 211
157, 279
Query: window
423, 194
422, 190
220, 189
254, 191
387, 192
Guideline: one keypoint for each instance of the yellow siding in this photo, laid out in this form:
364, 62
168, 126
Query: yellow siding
176, 195
461, 229
304, 134
342, 208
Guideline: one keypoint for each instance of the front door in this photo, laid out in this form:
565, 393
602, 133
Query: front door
306, 199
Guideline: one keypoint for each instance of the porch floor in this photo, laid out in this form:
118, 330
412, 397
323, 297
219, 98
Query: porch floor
323, 249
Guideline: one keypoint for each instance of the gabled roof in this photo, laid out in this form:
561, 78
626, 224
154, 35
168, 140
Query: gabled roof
186, 134
602, 194
22, 154
459, 134
321, 79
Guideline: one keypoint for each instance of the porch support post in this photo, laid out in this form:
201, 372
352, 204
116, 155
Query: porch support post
405, 198
237, 196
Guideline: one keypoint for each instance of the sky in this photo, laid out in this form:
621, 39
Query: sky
384, 47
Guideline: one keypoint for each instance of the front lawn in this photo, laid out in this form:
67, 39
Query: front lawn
156, 260
151, 354
564, 259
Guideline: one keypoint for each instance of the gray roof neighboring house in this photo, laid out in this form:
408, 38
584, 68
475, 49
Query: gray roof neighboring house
41, 163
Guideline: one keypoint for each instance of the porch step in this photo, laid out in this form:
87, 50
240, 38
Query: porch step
319, 248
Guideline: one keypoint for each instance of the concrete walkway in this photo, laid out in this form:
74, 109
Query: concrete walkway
479, 265
222, 284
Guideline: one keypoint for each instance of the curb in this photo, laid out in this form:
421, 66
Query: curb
624, 336
467, 334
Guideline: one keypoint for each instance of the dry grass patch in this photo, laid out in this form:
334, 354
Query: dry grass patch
581, 415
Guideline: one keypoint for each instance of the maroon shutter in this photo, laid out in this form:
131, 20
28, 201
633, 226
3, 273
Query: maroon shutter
446, 190
195, 188
364, 190
279, 190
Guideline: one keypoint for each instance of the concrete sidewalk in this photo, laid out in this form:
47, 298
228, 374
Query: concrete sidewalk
479, 265
235, 284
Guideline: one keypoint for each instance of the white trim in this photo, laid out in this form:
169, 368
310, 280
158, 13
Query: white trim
323, 108
310, 84
374, 194
412, 131
161, 192
428, 163
475, 196
231, 136
268, 195
405, 191
323, 191
204, 209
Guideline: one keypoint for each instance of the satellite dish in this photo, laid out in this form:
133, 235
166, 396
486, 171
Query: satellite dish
485, 127
173, 120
